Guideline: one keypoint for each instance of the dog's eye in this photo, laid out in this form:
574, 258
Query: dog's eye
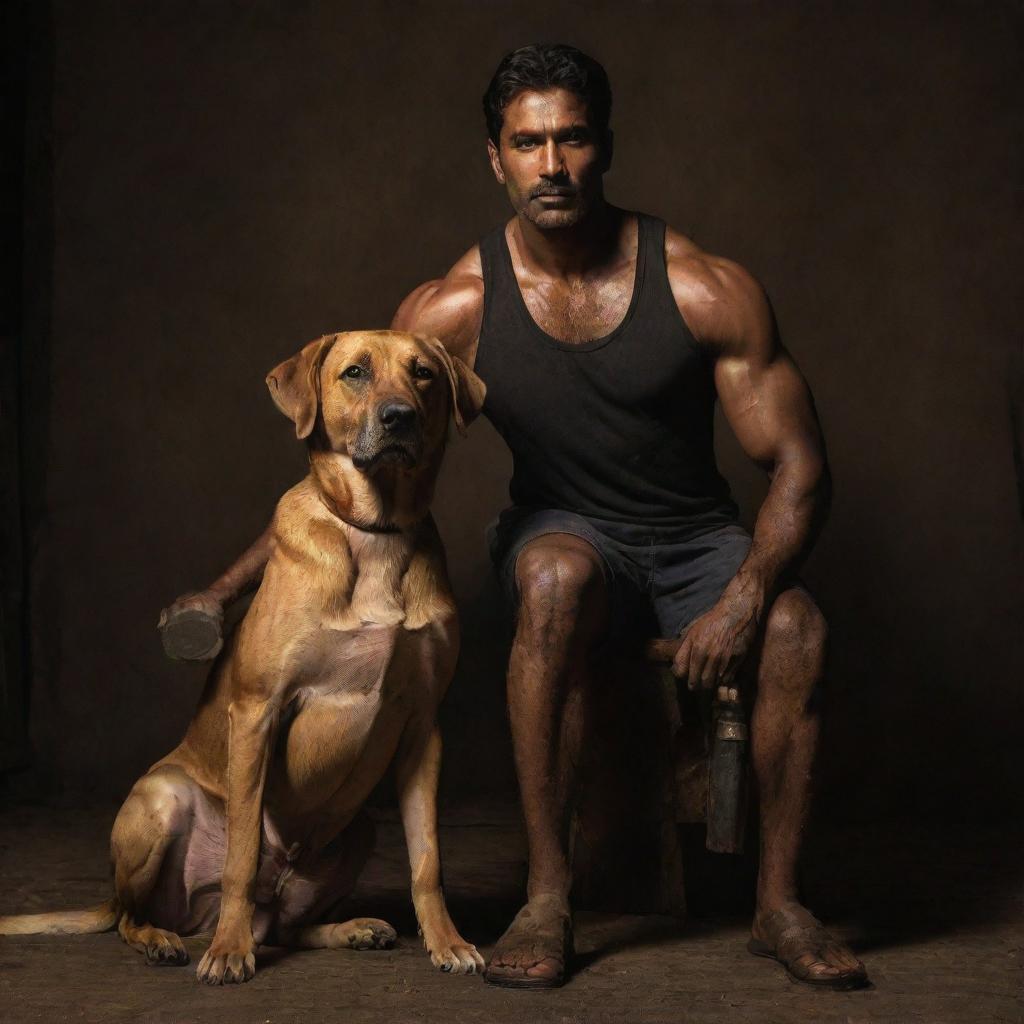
352, 372
423, 373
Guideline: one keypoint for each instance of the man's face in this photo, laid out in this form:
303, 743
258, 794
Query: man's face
549, 160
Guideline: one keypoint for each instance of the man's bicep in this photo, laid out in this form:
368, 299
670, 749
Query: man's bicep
768, 405
449, 311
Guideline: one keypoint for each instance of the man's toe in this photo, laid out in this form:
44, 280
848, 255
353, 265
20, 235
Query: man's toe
549, 968
841, 957
840, 967
808, 965
503, 963
823, 969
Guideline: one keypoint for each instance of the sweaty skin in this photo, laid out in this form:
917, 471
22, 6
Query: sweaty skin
574, 257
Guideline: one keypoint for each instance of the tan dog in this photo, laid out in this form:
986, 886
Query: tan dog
253, 822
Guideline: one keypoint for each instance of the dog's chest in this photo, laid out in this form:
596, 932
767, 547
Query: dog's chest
340, 729
379, 561
350, 670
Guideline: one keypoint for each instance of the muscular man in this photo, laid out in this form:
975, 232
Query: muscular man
604, 339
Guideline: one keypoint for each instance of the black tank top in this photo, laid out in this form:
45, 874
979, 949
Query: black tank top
618, 428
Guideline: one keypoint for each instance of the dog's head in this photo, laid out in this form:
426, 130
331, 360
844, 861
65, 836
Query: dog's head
380, 397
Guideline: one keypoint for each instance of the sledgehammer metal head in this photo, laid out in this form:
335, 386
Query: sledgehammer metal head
727, 778
189, 634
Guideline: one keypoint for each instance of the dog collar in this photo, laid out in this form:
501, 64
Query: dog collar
371, 527
376, 527
356, 525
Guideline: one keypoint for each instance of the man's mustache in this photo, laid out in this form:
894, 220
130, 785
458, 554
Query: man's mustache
553, 190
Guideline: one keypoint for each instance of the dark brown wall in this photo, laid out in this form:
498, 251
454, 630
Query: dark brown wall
231, 180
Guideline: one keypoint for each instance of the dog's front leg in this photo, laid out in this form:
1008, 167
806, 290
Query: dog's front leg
230, 957
418, 770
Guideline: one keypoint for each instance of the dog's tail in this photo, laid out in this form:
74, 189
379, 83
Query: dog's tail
101, 918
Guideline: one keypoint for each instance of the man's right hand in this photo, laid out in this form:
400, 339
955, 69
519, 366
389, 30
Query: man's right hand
191, 627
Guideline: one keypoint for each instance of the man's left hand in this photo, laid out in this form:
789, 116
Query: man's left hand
717, 643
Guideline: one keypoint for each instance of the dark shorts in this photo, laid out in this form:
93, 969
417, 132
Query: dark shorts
659, 579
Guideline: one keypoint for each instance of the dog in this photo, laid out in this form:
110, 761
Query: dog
255, 822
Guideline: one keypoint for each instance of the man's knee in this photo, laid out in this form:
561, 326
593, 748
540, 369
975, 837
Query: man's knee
559, 579
796, 639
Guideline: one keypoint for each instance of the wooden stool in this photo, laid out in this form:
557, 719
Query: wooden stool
653, 762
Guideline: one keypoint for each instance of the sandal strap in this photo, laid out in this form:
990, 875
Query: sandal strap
796, 933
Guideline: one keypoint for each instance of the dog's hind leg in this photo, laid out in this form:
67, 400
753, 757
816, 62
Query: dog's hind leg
158, 811
335, 878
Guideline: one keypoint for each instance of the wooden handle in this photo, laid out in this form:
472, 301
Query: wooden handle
662, 651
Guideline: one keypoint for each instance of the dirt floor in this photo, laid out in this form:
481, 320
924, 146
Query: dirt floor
935, 914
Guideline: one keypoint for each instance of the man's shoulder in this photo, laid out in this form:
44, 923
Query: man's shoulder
700, 274
462, 286
449, 307
715, 295
467, 268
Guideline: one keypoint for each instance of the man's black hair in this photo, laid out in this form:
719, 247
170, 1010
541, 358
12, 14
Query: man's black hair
549, 66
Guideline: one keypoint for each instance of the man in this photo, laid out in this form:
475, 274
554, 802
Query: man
604, 339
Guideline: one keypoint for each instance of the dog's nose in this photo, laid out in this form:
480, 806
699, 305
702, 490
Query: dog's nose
396, 415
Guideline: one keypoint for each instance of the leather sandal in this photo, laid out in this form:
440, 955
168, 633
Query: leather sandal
798, 933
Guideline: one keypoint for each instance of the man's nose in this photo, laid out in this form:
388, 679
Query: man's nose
552, 163
395, 415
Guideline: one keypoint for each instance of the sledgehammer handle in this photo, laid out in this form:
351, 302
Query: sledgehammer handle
662, 652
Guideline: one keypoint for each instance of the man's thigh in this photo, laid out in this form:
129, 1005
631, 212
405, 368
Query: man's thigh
688, 576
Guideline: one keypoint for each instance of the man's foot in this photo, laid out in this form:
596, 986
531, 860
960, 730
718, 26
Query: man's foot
795, 938
536, 949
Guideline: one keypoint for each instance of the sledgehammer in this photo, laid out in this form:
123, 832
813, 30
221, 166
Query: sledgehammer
727, 762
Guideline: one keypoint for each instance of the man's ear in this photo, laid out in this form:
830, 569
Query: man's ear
295, 384
467, 389
492, 155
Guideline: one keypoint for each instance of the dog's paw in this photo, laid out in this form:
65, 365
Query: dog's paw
457, 957
159, 947
364, 933
165, 949
221, 966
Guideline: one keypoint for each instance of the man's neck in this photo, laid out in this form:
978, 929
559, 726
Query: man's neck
573, 251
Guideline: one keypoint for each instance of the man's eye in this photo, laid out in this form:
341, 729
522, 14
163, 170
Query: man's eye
353, 371
423, 373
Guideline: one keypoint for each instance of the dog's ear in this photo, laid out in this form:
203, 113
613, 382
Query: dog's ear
468, 390
295, 384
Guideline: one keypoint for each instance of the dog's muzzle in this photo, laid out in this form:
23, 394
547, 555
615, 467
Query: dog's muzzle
389, 435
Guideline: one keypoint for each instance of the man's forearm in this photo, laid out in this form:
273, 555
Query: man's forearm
245, 574
786, 528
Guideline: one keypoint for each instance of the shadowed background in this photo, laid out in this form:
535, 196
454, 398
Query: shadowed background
210, 186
